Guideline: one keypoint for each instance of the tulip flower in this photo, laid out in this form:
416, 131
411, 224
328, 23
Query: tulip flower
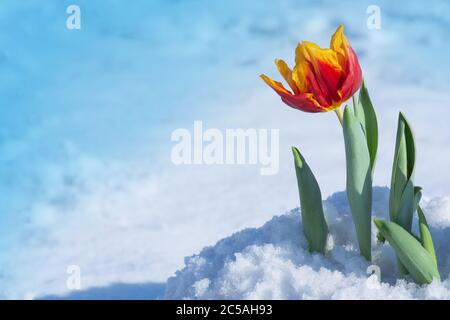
322, 79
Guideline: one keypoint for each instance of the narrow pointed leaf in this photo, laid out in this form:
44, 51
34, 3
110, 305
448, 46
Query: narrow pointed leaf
399, 172
314, 225
419, 263
359, 180
407, 207
402, 196
425, 234
410, 146
365, 113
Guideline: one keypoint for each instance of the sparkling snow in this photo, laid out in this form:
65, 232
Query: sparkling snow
272, 262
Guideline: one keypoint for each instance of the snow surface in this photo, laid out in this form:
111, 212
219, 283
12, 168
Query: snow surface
272, 262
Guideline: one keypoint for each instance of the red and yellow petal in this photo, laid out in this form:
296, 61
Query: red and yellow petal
339, 42
353, 78
286, 72
304, 102
322, 79
275, 85
319, 71
349, 62
328, 70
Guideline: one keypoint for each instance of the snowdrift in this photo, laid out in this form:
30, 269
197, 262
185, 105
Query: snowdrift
272, 262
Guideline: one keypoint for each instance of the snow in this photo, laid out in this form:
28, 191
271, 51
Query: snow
272, 262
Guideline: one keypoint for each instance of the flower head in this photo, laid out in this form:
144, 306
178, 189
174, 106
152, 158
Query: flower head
322, 79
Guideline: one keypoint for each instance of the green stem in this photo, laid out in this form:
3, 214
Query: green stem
340, 115
354, 101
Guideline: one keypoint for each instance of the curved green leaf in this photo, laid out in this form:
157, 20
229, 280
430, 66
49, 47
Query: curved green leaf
399, 171
410, 146
407, 207
365, 113
402, 195
313, 220
425, 234
359, 180
419, 263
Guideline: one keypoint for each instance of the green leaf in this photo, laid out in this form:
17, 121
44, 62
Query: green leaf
425, 234
410, 146
407, 207
399, 171
402, 195
366, 115
419, 263
359, 180
314, 225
